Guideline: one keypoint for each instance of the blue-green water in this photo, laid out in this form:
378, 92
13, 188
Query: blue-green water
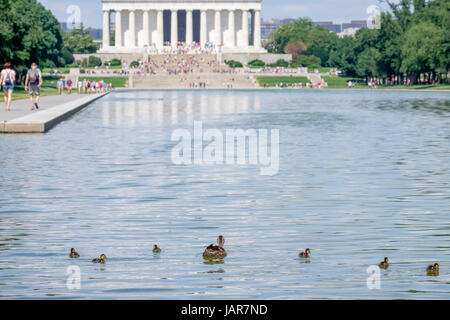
363, 175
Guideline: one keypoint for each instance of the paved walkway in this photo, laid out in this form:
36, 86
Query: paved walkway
51, 111
20, 108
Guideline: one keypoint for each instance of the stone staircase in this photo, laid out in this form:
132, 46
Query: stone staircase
315, 78
198, 62
213, 81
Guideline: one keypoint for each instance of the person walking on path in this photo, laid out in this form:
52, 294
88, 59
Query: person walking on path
60, 86
69, 86
7, 79
33, 81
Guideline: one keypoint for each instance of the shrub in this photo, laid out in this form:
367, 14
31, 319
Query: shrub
134, 64
280, 63
234, 64
95, 61
115, 63
256, 63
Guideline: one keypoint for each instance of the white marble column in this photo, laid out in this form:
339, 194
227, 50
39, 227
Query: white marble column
106, 33
189, 28
160, 29
231, 29
203, 26
245, 28
174, 28
218, 29
257, 31
132, 27
146, 27
118, 39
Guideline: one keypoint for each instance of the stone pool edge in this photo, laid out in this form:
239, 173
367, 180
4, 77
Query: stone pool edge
41, 122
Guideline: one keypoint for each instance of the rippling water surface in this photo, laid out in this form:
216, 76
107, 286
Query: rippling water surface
363, 175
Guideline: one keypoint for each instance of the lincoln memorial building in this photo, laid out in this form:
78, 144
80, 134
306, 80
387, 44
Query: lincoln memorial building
132, 26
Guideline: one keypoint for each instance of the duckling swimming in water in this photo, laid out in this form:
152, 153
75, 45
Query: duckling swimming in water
433, 269
101, 260
156, 249
384, 264
215, 251
73, 253
305, 254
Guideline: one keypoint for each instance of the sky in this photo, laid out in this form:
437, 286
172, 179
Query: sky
337, 11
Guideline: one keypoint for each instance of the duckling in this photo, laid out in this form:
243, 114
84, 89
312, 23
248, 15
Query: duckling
156, 249
215, 251
73, 253
305, 254
101, 260
384, 264
433, 269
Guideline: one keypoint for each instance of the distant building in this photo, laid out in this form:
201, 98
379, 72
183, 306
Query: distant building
96, 34
330, 26
286, 21
267, 28
354, 24
348, 32
67, 28
234, 26
344, 29
350, 29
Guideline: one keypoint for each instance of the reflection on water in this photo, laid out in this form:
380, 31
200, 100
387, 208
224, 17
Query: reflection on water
175, 107
363, 175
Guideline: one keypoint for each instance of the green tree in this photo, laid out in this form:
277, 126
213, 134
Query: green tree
424, 50
310, 61
29, 33
343, 56
79, 41
318, 40
389, 44
367, 64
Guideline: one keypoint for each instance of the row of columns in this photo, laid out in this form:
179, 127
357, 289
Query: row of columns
119, 41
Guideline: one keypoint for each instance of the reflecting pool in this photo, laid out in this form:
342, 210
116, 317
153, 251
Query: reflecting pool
362, 175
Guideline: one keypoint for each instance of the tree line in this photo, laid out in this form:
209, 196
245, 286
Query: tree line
31, 33
412, 43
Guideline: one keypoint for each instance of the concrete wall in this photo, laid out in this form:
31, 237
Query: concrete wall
241, 57
245, 58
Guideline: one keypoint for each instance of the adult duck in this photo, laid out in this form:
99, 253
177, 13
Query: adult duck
215, 251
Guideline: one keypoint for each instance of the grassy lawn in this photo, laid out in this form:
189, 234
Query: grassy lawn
117, 82
320, 69
272, 81
341, 83
48, 88
60, 70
